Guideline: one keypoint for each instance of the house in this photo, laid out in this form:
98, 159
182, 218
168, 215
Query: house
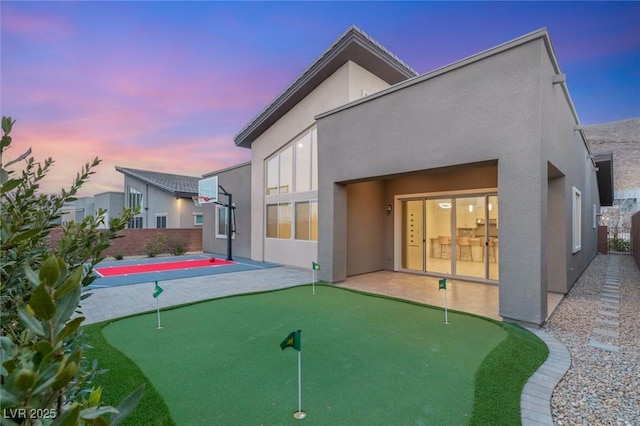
112, 202
165, 200
76, 211
478, 170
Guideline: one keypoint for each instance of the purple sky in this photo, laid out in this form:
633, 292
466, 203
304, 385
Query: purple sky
166, 85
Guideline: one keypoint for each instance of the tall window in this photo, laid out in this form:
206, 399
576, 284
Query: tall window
135, 198
135, 201
295, 167
577, 220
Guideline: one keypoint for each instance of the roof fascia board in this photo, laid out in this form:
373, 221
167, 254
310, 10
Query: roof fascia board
323, 65
226, 169
541, 33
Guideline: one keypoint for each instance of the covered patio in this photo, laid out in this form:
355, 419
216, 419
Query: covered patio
475, 298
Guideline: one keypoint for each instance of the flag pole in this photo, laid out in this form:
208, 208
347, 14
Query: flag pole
446, 316
313, 280
158, 311
299, 414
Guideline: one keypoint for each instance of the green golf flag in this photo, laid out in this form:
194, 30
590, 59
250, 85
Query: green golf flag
315, 266
157, 291
292, 340
442, 284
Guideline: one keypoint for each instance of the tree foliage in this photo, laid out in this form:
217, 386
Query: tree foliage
45, 378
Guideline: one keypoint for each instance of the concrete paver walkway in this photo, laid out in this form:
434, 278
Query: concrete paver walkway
115, 302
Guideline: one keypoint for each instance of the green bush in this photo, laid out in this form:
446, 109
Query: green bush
156, 245
618, 244
177, 245
44, 371
118, 256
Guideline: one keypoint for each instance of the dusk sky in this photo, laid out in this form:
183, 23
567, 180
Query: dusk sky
165, 86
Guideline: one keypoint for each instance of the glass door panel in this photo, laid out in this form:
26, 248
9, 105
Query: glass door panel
439, 248
413, 235
492, 247
470, 233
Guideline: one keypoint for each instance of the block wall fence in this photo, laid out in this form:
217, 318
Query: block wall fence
131, 241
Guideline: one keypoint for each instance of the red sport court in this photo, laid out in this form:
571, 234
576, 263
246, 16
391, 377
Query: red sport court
143, 268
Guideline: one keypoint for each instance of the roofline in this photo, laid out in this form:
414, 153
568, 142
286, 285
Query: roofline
131, 172
305, 82
541, 33
237, 166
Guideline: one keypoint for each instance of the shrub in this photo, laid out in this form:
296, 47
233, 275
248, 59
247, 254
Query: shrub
177, 244
118, 256
156, 245
618, 244
44, 369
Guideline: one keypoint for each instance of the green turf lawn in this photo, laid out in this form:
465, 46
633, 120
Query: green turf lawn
365, 360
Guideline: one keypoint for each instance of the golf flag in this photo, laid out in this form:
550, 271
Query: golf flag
292, 340
442, 284
315, 266
158, 290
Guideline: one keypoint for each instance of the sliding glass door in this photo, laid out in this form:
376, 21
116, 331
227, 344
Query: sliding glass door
455, 235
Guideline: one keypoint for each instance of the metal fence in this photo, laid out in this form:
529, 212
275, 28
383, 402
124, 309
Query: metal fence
620, 242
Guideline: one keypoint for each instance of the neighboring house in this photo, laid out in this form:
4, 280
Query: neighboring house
235, 180
77, 210
112, 202
479, 170
165, 200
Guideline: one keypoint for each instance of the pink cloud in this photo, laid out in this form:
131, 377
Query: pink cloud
37, 27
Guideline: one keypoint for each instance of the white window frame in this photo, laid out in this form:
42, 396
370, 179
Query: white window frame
595, 216
166, 219
195, 219
576, 219
217, 222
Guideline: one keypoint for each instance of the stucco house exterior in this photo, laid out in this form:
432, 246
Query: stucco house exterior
478, 170
235, 180
165, 199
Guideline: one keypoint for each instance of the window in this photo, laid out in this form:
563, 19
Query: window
161, 221
307, 220
221, 222
135, 222
303, 163
595, 216
577, 220
197, 219
279, 220
294, 168
135, 198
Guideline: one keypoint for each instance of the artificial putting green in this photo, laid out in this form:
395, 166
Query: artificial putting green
365, 359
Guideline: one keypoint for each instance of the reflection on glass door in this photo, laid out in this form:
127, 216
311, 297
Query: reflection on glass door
413, 235
493, 243
470, 236
440, 254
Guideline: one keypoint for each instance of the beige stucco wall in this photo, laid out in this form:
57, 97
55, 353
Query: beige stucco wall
344, 85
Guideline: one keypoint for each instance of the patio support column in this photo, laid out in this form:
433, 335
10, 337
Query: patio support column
332, 232
522, 188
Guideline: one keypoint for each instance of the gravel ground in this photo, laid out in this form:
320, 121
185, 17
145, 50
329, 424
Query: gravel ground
601, 387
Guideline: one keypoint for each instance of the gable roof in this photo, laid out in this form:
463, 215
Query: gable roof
178, 185
354, 45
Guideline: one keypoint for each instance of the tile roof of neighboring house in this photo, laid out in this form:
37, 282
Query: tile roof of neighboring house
354, 45
178, 185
